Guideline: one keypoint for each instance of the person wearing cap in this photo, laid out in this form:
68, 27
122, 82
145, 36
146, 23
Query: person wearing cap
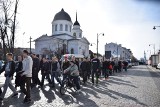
74, 74
75, 61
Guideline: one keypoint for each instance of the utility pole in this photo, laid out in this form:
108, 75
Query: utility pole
153, 48
98, 41
117, 51
30, 43
97, 45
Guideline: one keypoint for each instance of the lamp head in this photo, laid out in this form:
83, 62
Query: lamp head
154, 28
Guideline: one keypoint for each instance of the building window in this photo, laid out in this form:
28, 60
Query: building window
74, 34
61, 27
55, 27
70, 28
72, 51
80, 35
66, 27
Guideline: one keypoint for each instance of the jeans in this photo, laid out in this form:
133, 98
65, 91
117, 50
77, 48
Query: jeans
93, 74
76, 81
7, 84
26, 86
43, 77
56, 76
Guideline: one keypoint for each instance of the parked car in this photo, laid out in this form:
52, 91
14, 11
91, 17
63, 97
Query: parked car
158, 66
129, 65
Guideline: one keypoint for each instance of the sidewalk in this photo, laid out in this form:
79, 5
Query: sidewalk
153, 69
157, 71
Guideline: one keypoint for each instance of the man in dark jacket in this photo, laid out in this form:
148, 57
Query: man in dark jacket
125, 63
106, 65
88, 68
19, 67
113, 65
45, 72
35, 70
9, 69
65, 64
83, 68
95, 69
119, 66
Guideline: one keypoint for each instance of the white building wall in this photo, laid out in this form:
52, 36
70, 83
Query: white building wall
76, 29
123, 53
58, 23
79, 47
65, 37
47, 43
74, 45
83, 48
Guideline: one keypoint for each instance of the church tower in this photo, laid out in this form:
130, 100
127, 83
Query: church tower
76, 31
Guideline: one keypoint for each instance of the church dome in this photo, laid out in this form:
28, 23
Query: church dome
62, 15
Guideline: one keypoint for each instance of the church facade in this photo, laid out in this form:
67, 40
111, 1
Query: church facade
66, 38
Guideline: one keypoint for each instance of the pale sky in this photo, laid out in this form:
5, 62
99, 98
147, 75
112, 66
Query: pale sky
126, 22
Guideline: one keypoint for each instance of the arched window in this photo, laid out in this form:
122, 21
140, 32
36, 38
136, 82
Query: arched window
80, 35
61, 27
66, 27
55, 27
70, 28
72, 51
74, 34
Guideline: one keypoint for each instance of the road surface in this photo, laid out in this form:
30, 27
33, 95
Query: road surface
138, 87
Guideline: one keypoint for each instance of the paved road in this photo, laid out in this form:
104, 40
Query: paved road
139, 87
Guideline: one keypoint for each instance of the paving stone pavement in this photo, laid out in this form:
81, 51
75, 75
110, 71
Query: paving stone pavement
138, 87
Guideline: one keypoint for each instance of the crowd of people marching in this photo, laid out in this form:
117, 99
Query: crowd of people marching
28, 67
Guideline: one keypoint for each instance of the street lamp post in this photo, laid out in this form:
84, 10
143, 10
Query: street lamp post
117, 51
154, 27
149, 51
153, 47
98, 41
93, 44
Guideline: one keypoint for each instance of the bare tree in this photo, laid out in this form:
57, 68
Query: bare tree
8, 24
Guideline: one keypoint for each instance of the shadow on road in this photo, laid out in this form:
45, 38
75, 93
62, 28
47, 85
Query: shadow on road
49, 95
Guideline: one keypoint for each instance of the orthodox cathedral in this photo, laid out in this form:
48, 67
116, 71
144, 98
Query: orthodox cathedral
66, 38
